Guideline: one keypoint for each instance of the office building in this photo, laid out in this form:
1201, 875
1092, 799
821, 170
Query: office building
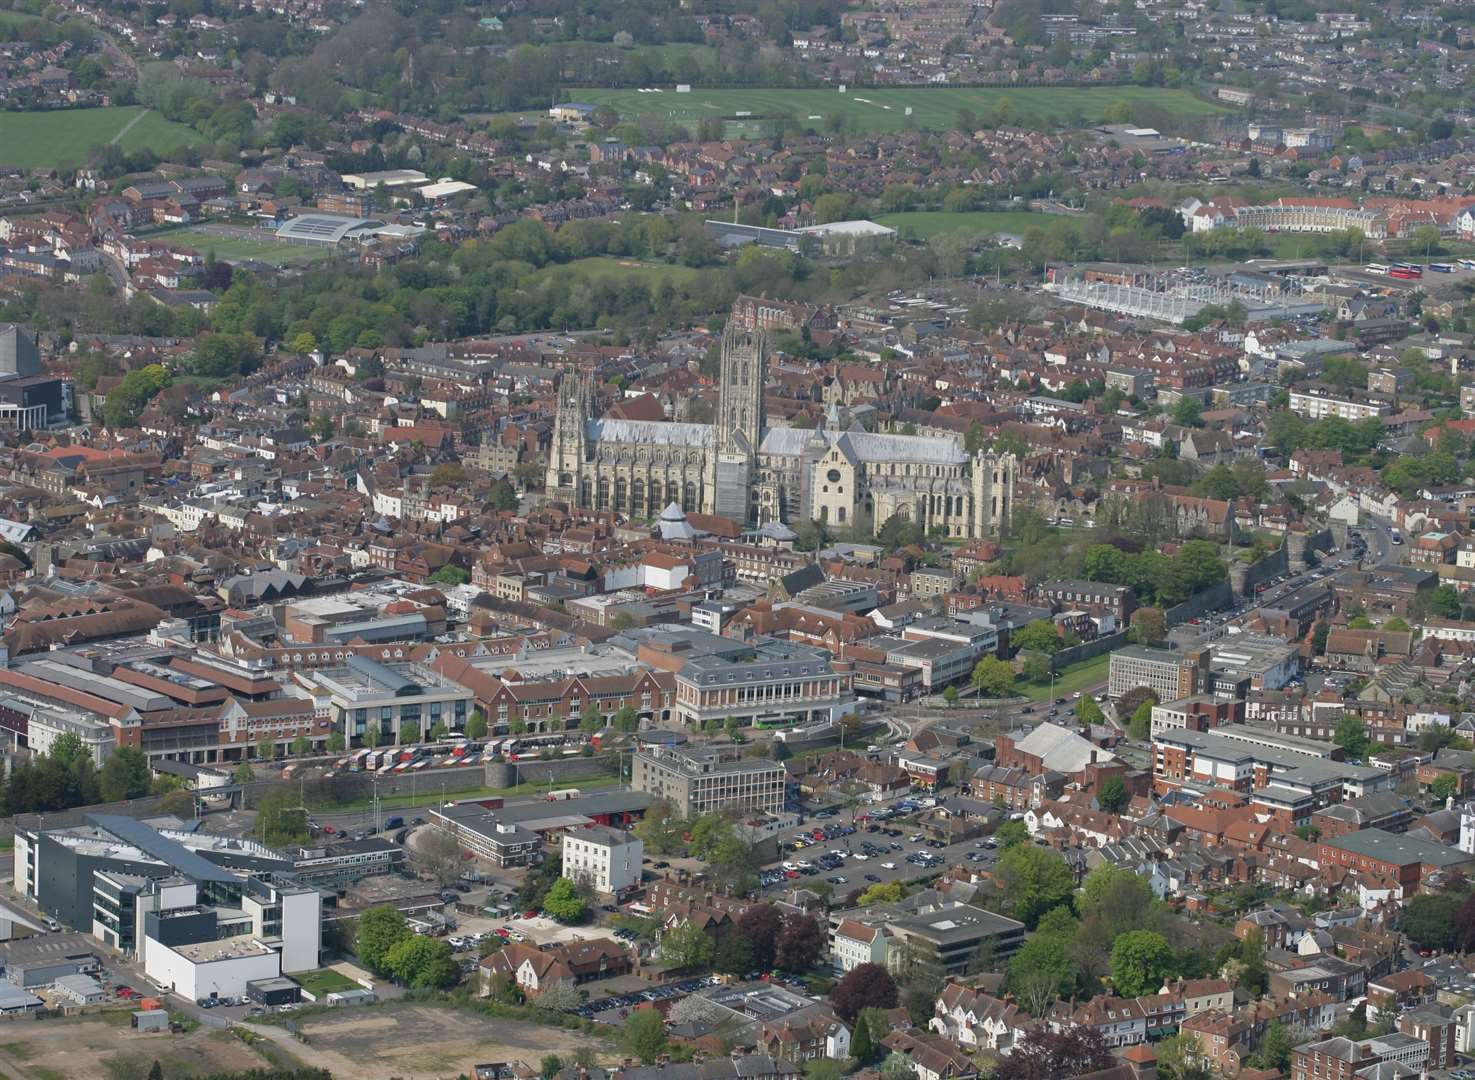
1170, 674
699, 780
202, 915
607, 860
926, 930
518, 835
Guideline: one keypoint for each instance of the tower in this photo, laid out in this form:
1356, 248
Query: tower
738, 427
993, 490
570, 436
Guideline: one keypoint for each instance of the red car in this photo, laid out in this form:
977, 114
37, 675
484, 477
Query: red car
529, 914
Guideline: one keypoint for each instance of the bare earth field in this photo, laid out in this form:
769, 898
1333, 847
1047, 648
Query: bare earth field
389, 1041
94, 1049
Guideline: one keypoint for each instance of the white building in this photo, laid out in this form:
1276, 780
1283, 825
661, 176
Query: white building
855, 943
608, 860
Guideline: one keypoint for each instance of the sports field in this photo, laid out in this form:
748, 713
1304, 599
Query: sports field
925, 224
235, 249
933, 109
56, 137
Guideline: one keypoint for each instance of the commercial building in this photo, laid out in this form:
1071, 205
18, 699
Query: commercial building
607, 860
403, 702
1400, 857
1285, 771
699, 780
764, 682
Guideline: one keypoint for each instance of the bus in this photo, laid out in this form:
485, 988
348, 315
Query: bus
1404, 273
1375, 268
1442, 268
1466, 264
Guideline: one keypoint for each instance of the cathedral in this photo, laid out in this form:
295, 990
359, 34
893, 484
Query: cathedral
847, 478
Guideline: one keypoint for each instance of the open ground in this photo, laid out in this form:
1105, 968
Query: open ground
386, 1041
58, 137
107, 1048
869, 110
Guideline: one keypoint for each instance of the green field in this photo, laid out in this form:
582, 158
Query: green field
885, 110
607, 266
232, 249
58, 137
925, 224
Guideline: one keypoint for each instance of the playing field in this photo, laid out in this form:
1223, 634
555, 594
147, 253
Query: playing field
925, 224
59, 137
608, 266
236, 249
932, 109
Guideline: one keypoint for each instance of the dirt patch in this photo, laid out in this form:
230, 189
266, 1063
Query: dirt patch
98, 1050
388, 1041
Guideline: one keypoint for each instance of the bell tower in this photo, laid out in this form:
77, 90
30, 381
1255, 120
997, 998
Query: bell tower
570, 436
738, 428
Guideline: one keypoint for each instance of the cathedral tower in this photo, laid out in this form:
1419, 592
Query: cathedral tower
570, 436
738, 428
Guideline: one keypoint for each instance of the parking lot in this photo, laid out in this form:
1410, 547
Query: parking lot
882, 844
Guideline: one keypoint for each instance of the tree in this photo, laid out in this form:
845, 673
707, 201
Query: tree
645, 1035
626, 719
244, 774
450, 575
1429, 919
380, 929
1088, 712
734, 955
897, 1066
1038, 636
549, 1067
1150, 624
300, 746
799, 943
1445, 786
1044, 1055
1188, 411
760, 924
1140, 725
266, 749
476, 725
439, 854
822, 1069
950, 695
861, 1046
1140, 961
67, 748
1112, 796
1010, 834
180, 802
590, 719
863, 986
887, 892
686, 947
1351, 736
421, 962
1180, 1057
125, 775
1275, 1048
439, 731
564, 903
561, 997
1033, 881
993, 677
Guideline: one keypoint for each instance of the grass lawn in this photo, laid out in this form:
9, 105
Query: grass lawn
867, 110
1070, 679
231, 249
925, 224
606, 267
325, 981
57, 137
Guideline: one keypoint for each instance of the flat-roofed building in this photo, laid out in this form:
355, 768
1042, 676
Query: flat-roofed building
699, 780
402, 702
